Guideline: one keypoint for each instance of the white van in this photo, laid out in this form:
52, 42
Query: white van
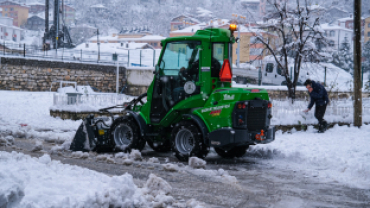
271, 73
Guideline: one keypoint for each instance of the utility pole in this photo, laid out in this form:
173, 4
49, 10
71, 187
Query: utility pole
98, 45
357, 104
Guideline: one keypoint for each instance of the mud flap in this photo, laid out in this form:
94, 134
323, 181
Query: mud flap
84, 139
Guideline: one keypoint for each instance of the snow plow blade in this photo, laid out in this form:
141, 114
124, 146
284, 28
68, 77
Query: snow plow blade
84, 139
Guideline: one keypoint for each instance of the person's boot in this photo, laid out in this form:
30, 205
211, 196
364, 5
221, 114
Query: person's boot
323, 126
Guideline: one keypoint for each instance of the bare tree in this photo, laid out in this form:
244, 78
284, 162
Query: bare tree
299, 37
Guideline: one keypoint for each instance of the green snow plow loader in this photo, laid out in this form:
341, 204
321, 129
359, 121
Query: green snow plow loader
190, 105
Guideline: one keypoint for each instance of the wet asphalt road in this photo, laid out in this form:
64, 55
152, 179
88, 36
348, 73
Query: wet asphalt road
259, 185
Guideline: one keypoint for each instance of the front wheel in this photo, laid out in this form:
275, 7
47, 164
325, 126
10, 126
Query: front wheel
238, 151
125, 134
187, 141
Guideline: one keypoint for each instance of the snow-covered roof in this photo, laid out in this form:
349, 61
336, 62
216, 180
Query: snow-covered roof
84, 26
11, 26
250, 1
42, 15
111, 47
327, 26
316, 7
203, 12
347, 18
101, 6
35, 4
152, 37
250, 29
200, 26
217, 24
187, 17
145, 38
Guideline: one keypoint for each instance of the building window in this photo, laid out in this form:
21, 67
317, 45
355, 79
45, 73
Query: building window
6, 15
332, 33
368, 34
11, 9
331, 43
256, 51
155, 44
5, 9
368, 25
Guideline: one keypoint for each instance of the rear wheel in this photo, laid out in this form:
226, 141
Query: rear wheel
125, 134
238, 151
187, 141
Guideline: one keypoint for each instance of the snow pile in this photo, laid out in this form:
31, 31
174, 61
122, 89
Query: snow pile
42, 182
197, 163
6, 141
219, 175
340, 154
153, 160
10, 194
157, 186
27, 115
135, 155
37, 147
170, 167
157, 191
80, 154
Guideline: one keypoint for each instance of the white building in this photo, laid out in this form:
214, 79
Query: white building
8, 32
337, 35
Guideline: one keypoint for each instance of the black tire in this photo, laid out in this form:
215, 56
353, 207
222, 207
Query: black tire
163, 147
238, 151
125, 135
188, 132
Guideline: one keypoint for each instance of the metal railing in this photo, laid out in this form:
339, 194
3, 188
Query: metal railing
133, 57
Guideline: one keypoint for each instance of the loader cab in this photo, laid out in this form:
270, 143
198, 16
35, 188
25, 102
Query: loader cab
176, 76
187, 67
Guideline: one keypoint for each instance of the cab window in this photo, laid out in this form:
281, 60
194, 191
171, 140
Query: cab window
218, 51
269, 67
178, 55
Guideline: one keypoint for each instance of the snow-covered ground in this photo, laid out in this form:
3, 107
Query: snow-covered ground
340, 154
42, 182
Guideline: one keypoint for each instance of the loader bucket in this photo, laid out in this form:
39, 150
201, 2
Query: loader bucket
84, 139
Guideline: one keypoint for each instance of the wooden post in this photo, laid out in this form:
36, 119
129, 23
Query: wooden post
357, 104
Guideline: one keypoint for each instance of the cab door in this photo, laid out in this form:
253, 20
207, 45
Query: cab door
179, 64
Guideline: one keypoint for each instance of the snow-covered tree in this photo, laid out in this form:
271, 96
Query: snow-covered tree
297, 27
366, 56
344, 57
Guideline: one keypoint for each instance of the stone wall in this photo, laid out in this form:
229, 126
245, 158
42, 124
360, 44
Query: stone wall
35, 75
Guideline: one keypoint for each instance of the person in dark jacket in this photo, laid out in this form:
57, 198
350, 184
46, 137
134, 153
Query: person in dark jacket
319, 96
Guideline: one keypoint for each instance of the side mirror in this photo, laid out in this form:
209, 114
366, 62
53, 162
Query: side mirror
237, 40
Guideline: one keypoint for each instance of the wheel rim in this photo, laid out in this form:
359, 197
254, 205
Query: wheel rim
123, 135
184, 141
